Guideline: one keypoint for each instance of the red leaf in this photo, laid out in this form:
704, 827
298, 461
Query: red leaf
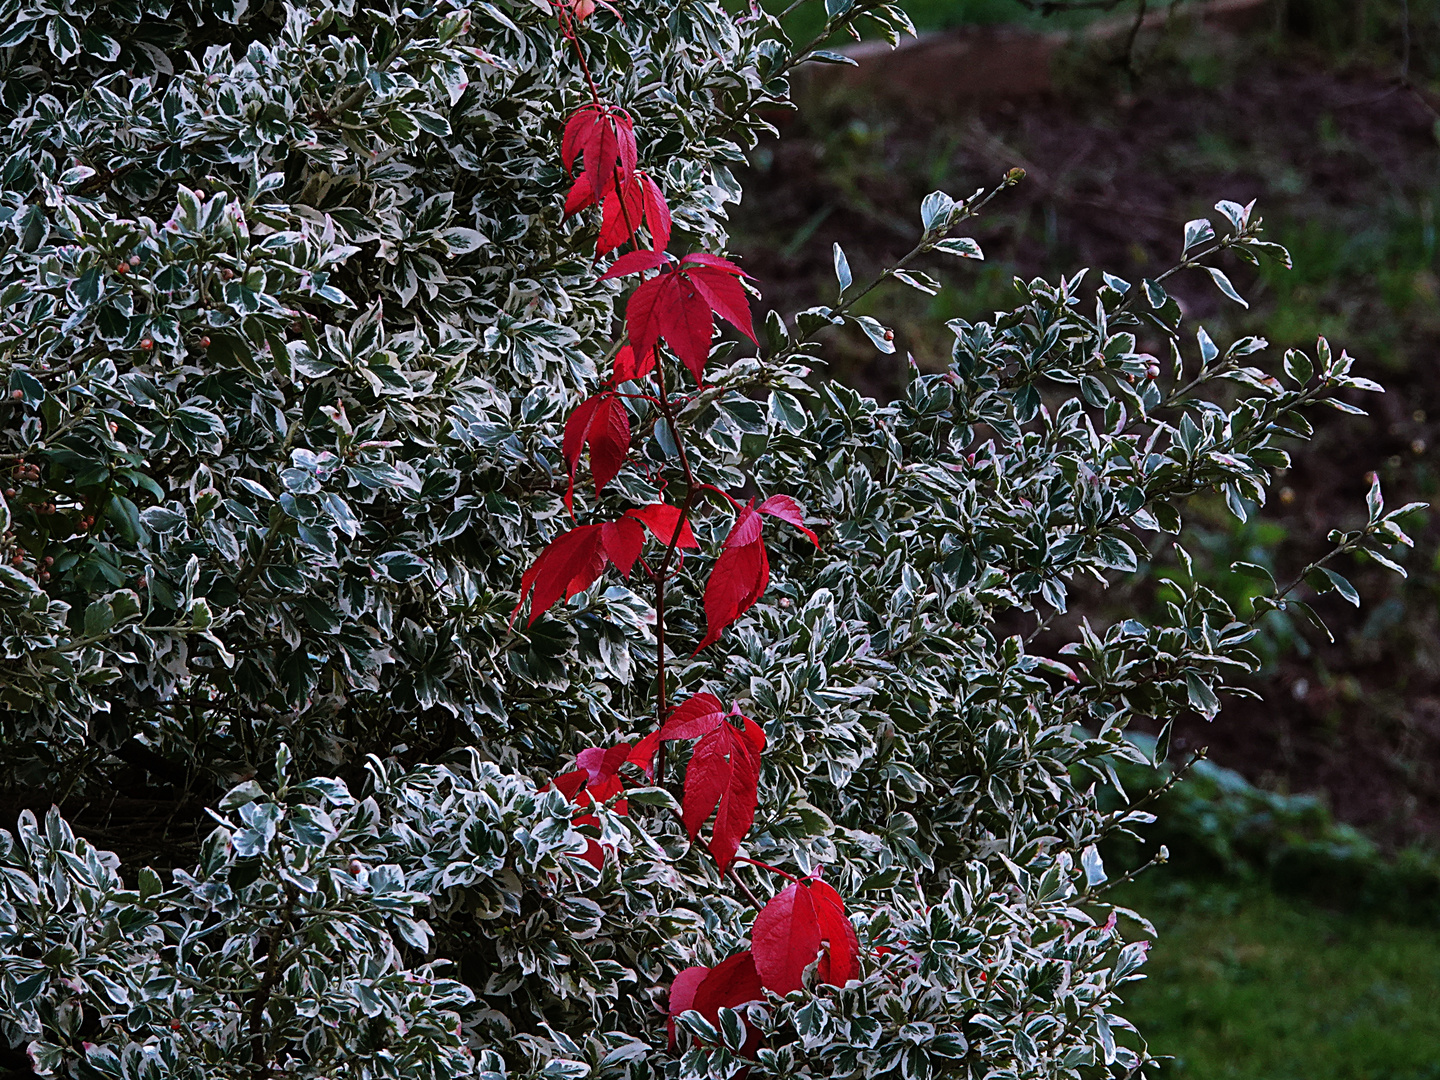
580, 195
661, 519
838, 966
697, 715
644, 753
723, 775
682, 995
636, 262
570, 784
787, 509
786, 938
638, 200
657, 214
594, 854
746, 529
729, 984
716, 262
628, 368
602, 422
569, 564
739, 577
670, 307
621, 216
604, 137
724, 295
621, 541
602, 767
573, 560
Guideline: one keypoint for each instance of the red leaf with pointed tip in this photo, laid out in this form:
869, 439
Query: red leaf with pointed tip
715, 262
635, 262
602, 423
635, 202
661, 519
724, 776
786, 938
644, 753
838, 966
657, 213
697, 715
621, 216
569, 564
573, 560
724, 295
787, 509
621, 542
670, 307
739, 577
628, 368
746, 529
580, 195
570, 784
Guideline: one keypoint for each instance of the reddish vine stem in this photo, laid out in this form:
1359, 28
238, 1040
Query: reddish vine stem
767, 866
567, 28
663, 569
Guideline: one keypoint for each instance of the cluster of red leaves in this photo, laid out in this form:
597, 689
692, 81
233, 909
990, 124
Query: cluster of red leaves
602, 138
573, 561
723, 776
680, 303
786, 939
597, 778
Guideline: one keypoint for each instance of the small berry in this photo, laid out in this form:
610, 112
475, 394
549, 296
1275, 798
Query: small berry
227, 273
49, 560
205, 342
44, 575
114, 427
147, 344
16, 395
355, 867
200, 195
889, 335
9, 493
1153, 371
134, 260
175, 1024
17, 558
122, 268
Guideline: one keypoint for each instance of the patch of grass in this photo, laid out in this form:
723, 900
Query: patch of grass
1246, 985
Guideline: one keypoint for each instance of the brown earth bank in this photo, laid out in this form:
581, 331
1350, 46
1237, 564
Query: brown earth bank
1120, 149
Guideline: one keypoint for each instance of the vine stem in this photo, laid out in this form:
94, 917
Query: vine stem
766, 866
662, 570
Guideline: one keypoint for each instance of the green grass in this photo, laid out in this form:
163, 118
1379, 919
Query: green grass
1246, 985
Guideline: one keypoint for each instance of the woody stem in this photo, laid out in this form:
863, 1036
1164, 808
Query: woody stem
663, 568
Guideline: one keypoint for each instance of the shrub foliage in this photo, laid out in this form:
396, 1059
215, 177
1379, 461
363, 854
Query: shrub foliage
331, 332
